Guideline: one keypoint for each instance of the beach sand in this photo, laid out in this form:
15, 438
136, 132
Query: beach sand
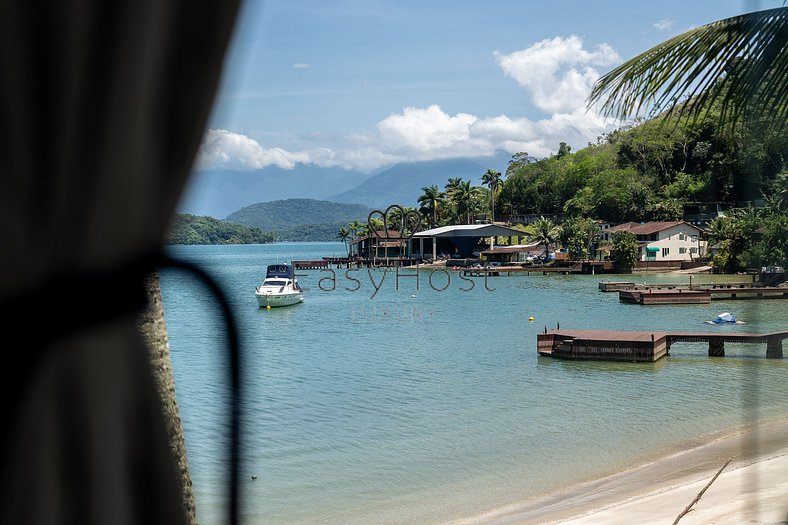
753, 489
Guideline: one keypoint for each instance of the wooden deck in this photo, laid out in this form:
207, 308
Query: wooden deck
613, 345
700, 295
527, 270
616, 286
340, 262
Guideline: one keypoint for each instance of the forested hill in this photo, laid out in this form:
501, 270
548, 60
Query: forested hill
191, 229
650, 172
300, 219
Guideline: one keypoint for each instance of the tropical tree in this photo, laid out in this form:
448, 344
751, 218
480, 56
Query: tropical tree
738, 63
355, 228
518, 161
626, 246
545, 233
492, 179
467, 200
430, 201
343, 235
578, 234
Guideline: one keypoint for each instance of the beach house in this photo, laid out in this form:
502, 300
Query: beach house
663, 241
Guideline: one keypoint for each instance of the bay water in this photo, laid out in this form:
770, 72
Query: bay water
392, 399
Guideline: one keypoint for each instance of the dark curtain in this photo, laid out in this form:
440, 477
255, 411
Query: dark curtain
102, 108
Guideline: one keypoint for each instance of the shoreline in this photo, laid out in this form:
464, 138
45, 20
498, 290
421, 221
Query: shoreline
752, 489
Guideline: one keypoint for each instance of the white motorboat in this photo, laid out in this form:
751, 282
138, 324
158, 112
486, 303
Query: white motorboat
280, 287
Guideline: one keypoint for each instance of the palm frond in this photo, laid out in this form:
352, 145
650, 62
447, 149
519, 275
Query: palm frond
739, 63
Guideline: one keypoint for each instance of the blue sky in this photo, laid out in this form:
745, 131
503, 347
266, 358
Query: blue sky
367, 83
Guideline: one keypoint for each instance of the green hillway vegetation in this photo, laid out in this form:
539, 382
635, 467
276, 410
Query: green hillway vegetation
191, 229
649, 171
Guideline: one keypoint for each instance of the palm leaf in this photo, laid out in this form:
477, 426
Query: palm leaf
738, 63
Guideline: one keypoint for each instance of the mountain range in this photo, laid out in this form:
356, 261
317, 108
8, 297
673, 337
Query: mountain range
402, 183
219, 193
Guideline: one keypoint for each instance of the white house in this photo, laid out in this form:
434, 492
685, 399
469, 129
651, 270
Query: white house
665, 241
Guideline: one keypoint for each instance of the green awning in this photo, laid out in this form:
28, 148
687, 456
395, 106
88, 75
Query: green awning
650, 249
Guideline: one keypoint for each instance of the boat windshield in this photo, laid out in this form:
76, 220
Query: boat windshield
271, 282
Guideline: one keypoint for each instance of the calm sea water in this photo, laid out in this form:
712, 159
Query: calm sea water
377, 402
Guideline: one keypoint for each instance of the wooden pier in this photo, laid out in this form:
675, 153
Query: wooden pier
700, 295
612, 345
617, 286
340, 262
527, 270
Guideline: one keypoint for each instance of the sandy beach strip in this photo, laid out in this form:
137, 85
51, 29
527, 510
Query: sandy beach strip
752, 489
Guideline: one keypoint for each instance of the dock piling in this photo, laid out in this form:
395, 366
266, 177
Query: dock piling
716, 348
774, 348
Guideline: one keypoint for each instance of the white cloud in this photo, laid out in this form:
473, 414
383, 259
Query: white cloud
230, 150
557, 75
301, 66
663, 25
422, 130
557, 72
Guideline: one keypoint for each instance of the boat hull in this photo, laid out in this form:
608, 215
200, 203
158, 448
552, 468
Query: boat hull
284, 299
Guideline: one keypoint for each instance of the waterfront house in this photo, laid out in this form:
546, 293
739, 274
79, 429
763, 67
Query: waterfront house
664, 241
516, 253
462, 239
381, 243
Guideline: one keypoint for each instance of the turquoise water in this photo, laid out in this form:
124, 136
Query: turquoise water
376, 402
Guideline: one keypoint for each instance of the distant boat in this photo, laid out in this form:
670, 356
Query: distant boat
280, 287
724, 318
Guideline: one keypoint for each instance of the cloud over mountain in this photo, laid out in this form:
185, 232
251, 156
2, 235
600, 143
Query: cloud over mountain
556, 74
230, 150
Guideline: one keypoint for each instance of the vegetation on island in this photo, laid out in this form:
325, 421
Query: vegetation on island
191, 229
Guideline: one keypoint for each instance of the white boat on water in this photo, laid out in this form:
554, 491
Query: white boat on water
280, 287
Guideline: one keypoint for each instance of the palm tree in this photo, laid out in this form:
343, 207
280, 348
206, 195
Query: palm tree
343, 235
452, 187
430, 200
492, 179
466, 198
719, 229
738, 62
356, 229
545, 232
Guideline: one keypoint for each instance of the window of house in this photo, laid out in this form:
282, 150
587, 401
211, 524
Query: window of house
693, 250
682, 250
665, 252
682, 237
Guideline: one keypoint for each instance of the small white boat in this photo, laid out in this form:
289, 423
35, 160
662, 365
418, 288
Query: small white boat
280, 287
724, 318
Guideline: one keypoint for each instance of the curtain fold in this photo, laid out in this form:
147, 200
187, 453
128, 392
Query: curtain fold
102, 108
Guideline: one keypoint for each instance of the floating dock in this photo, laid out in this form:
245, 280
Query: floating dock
700, 295
612, 345
617, 286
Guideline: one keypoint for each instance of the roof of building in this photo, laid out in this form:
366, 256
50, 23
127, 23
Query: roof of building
647, 228
380, 234
471, 230
515, 248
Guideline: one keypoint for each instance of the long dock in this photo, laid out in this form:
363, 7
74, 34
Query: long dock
613, 345
527, 270
700, 295
617, 286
